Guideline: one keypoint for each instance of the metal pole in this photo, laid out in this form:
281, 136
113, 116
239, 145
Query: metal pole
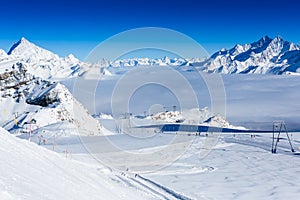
273, 137
287, 134
30, 129
275, 148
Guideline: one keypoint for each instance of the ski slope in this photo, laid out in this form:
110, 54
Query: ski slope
234, 167
28, 171
238, 167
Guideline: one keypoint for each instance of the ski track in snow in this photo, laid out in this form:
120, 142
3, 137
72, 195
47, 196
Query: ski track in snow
154, 188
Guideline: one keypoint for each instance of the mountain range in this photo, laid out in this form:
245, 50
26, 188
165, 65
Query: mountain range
265, 56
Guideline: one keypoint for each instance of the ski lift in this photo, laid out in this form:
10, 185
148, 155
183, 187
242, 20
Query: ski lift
279, 127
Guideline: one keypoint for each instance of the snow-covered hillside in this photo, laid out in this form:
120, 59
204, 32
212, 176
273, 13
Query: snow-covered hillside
25, 98
31, 172
266, 56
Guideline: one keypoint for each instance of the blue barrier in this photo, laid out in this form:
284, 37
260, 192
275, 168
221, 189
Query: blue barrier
199, 128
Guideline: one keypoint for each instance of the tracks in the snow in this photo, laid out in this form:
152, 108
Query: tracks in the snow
151, 187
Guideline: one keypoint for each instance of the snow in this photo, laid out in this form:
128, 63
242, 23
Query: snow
237, 167
37, 173
234, 169
24, 48
104, 116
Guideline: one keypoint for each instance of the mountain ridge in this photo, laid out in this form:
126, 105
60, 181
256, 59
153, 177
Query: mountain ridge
265, 56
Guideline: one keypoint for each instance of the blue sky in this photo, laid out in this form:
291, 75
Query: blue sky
78, 26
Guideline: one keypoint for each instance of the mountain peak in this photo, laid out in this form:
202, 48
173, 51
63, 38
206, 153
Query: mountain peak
278, 37
26, 49
22, 42
265, 39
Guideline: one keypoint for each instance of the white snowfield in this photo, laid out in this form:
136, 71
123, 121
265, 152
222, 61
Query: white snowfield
29, 171
238, 167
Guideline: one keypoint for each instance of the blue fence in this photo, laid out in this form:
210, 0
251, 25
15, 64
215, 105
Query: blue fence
199, 128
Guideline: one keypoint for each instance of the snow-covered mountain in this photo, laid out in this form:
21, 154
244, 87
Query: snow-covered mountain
165, 61
25, 98
27, 50
266, 56
41, 62
193, 116
48, 65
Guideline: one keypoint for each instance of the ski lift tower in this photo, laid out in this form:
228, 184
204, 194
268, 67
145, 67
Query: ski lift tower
278, 128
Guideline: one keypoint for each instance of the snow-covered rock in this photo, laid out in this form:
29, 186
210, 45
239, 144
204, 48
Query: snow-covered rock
103, 116
169, 116
44, 101
193, 116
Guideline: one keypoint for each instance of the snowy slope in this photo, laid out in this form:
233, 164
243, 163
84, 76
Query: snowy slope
238, 167
27, 50
26, 98
3, 56
64, 108
266, 56
28, 171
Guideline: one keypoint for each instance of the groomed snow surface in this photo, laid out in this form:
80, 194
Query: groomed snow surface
29, 171
236, 167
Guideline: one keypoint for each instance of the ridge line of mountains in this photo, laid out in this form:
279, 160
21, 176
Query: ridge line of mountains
265, 56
